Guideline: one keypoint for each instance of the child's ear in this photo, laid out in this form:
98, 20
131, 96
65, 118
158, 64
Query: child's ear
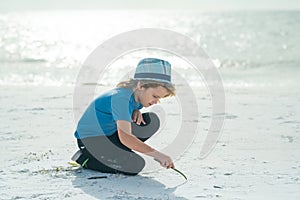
139, 86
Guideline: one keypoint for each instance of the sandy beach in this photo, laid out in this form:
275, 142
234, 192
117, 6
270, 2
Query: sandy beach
257, 155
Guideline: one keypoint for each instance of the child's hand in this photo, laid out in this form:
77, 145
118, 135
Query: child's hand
137, 117
164, 160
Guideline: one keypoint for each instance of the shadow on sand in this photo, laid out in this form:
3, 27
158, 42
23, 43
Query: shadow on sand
117, 186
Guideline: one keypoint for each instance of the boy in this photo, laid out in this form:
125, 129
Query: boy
112, 126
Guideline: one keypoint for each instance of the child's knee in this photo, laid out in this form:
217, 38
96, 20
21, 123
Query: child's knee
134, 165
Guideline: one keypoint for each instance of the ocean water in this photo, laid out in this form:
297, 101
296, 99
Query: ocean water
250, 49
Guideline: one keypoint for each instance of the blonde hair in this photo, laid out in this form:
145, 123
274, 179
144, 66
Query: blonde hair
132, 83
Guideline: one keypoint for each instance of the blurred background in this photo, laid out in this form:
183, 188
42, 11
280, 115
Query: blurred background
254, 44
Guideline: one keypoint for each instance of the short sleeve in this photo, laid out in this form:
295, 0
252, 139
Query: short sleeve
120, 106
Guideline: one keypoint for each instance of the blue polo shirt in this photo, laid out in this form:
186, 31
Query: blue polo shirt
100, 117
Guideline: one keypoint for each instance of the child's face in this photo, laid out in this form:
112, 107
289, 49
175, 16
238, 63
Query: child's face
150, 96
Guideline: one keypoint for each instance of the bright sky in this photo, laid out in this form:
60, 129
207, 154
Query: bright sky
13, 5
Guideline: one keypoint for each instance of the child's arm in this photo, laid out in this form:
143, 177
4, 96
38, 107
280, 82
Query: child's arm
132, 142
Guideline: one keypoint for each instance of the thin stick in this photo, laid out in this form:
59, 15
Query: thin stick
97, 177
176, 170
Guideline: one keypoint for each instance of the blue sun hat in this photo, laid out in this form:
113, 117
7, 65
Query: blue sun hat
153, 69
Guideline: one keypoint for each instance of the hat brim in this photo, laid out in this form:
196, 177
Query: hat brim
153, 79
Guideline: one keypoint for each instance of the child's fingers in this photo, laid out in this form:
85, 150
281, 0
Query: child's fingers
133, 118
143, 120
139, 120
171, 166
